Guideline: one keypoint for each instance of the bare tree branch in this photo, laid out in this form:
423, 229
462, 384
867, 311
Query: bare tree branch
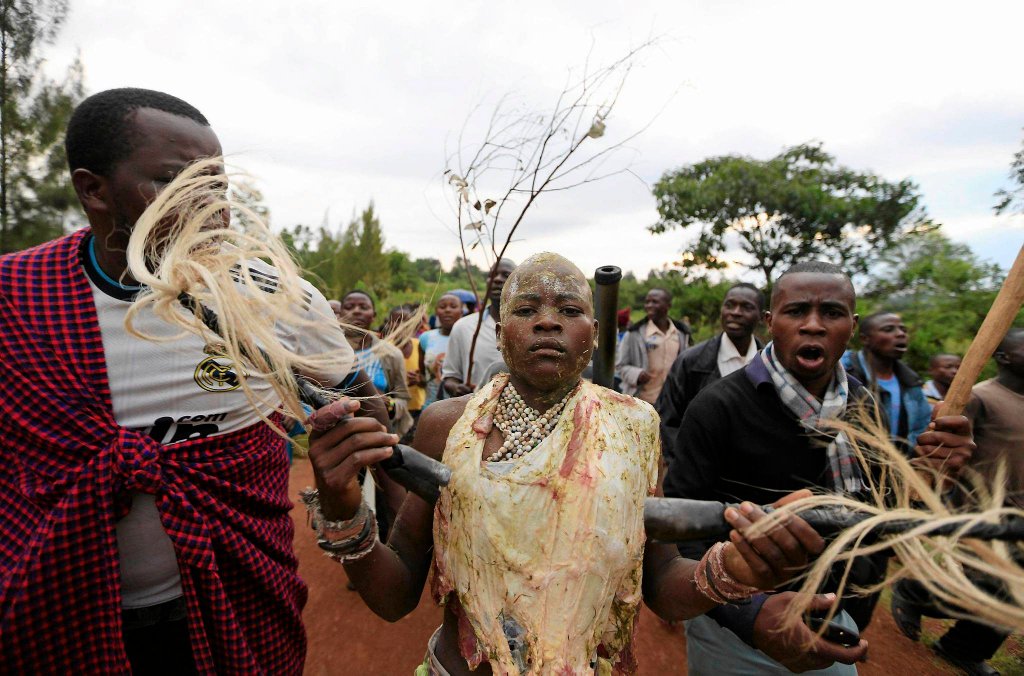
537, 152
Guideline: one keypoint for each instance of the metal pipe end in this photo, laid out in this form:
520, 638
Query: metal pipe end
607, 274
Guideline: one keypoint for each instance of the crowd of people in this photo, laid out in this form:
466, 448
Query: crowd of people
145, 507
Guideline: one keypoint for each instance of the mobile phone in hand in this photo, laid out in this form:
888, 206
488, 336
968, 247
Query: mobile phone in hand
834, 632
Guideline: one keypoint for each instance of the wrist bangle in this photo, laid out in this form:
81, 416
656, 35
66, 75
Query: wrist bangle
348, 540
714, 582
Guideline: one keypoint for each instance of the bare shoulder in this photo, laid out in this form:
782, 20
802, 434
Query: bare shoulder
436, 423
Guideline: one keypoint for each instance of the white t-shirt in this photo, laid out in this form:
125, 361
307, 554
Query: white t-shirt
174, 391
486, 357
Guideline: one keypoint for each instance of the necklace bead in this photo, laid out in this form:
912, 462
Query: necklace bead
524, 427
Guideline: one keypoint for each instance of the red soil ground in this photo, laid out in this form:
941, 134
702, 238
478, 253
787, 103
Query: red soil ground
346, 638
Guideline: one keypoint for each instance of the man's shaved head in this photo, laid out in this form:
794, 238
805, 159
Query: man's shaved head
1013, 338
549, 269
812, 267
936, 358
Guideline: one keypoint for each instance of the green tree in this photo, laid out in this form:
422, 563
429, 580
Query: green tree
370, 247
428, 269
941, 289
337, 263
792, 207
403, 275
1012, 198
36, 196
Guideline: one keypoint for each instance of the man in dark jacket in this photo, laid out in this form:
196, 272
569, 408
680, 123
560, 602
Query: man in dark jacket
751, 436
898, 389
706, 362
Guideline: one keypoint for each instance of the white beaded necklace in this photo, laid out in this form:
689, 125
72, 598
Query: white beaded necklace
524, 427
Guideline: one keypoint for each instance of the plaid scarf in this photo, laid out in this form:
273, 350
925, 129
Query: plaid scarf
67, 474
843, 464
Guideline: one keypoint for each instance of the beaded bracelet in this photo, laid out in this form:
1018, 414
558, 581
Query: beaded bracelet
714, 582
344, 541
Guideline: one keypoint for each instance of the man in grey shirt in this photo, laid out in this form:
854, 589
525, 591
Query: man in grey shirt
455, 372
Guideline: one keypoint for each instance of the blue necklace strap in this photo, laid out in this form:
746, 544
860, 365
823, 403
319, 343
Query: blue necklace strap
107, 278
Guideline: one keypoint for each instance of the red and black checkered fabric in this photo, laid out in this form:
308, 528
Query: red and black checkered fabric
67, 472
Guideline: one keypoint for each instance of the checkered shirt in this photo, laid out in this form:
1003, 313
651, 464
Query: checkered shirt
67, 473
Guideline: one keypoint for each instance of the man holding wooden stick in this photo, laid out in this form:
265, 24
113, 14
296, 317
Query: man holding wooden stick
995, 414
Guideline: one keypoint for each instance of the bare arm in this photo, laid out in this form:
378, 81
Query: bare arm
390, 578
669, 589
764, 562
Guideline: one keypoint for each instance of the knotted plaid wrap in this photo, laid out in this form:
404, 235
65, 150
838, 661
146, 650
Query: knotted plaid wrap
67, 473
843, 464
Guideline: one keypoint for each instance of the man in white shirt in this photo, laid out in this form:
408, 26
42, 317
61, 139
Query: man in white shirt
456, 375
715, 358
649, 348
154, 532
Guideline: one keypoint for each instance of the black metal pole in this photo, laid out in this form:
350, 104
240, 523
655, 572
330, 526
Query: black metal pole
606, 302
680, 520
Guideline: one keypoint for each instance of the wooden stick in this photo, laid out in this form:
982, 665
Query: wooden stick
997, 322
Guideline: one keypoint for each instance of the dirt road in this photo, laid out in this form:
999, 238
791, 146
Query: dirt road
346, 638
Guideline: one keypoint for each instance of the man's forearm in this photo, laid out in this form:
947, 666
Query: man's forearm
670, 591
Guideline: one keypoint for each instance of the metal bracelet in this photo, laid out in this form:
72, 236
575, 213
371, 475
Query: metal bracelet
348, 544
364, 546
339, 532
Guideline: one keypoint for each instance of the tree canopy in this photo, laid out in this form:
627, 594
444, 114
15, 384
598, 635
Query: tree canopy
795, 206
1011, 199
36, 196
941, 289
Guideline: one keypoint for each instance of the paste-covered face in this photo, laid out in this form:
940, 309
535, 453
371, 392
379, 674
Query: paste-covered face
547, 328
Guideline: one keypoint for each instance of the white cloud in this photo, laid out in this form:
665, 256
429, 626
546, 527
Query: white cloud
333, 104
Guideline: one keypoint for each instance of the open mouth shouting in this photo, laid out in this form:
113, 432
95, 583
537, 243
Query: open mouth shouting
810, 357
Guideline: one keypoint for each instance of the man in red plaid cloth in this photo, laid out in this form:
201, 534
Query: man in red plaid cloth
143, 504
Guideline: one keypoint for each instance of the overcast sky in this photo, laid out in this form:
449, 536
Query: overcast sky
333, 104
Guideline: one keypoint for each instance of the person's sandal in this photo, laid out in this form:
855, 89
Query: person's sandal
972, 668
906, 616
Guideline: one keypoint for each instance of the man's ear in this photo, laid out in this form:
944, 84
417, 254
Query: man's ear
92, 190
768, 319
497, 335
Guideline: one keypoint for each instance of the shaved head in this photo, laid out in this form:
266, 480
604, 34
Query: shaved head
936, 358
1013, 338
550, 270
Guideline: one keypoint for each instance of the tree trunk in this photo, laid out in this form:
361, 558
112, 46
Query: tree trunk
4, 122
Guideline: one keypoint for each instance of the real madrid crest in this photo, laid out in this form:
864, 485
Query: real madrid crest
216, 372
